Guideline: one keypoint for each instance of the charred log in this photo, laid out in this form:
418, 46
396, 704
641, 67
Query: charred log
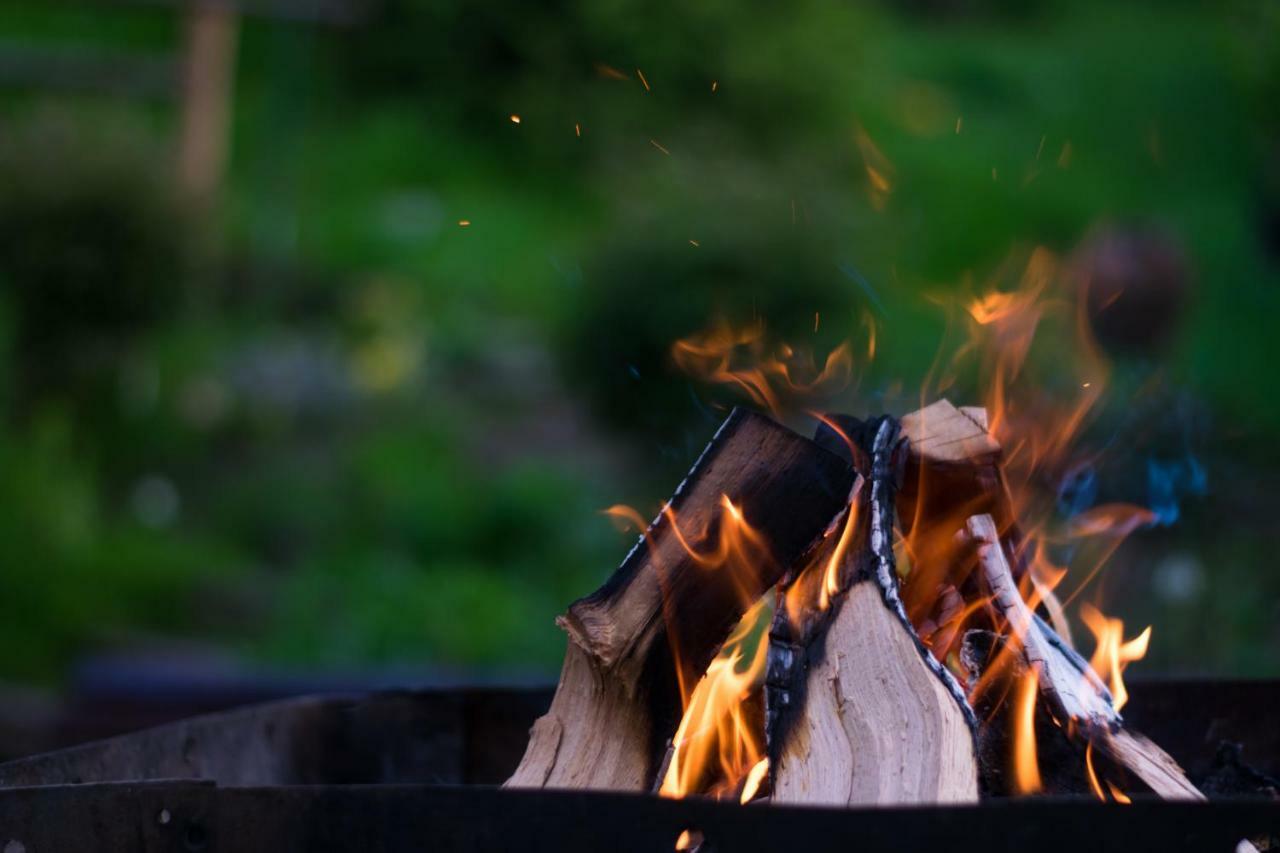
618, 701
1070, 686
859, 711
1072, 757
879, 726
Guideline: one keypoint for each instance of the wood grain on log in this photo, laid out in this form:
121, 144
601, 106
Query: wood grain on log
1143, 765
618, 702
878, 726
1074, 692
1147, 761
1072, 688
861, 713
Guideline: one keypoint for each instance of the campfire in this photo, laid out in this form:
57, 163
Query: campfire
867, 616
821, 621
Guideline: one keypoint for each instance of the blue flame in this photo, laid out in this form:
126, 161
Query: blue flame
1168, 481
1078, 490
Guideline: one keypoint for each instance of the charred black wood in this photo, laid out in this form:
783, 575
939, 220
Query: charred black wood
877, 451
1231, 776
1061, 763
887, 458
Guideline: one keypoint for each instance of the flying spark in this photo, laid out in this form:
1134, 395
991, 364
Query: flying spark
515, 119
1064, 158
642, 80
658, 145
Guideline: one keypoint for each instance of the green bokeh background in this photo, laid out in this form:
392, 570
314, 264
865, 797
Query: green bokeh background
324, 426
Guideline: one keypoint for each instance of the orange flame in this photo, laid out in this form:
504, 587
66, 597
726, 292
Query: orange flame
1118, 794
879, 169
769, 376
755, 778
1094, 784
1112, 654
736, 548
719, 745
1026, 768
1024, 345
717, 740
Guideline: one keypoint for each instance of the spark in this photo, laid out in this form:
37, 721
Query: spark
694, 243
642, 80
611, 72
959, 124
464, 222
1064, 158
658, 145
714, 84
515, 119
577, 129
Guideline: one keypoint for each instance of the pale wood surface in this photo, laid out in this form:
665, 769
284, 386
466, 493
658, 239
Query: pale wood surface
877, 725
1144, 759
942, 433
1072, 688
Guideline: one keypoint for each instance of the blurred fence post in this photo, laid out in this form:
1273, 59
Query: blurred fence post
208, 83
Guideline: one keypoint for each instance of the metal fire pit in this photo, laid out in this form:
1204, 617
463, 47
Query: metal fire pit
417, 770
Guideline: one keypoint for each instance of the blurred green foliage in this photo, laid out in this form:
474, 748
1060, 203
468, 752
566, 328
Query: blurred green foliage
328, 425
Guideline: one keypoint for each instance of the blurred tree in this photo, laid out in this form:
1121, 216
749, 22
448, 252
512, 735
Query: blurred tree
91, 255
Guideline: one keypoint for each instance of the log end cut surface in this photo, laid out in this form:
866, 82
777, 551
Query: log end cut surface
942, 433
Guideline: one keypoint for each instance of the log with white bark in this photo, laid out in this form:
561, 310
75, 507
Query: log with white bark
1074, 694
1067, 682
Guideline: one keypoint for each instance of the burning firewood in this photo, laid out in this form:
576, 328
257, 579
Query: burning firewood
757, 497
1068, 683
1077, 699
860, 691
859, 710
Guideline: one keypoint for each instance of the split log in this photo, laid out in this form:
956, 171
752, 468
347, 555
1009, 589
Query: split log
1147, 761
879, 726
995, 669
1118, 752
859, 710
942, 434
1073, 692
947, 470
1068, 683
618, 700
